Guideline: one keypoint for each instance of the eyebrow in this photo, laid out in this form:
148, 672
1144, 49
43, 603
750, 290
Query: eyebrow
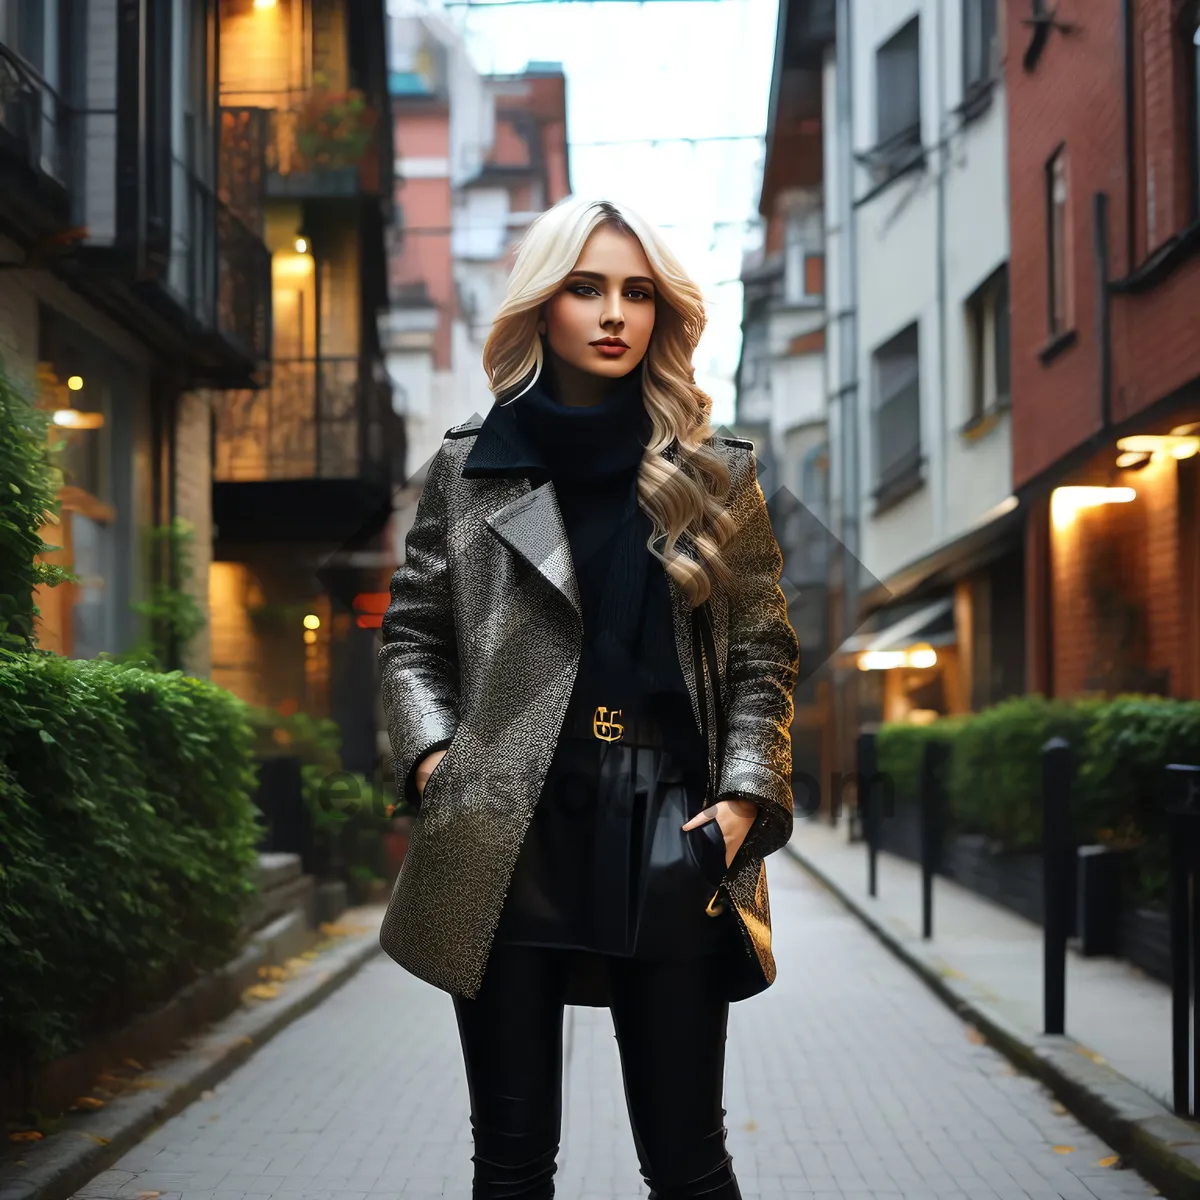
602, 278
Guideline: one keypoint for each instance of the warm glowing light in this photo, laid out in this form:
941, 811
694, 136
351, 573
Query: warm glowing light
922, 657
1132, 458
1176, 444
372, 602
881, 660
310, 637
72, 418
284, 263
312, 621
75, 383
1066, 502
264, 3
301, 246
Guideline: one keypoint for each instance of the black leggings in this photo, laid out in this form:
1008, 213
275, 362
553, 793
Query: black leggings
669, 1019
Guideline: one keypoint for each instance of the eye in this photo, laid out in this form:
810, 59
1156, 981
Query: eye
639, 292
578, 288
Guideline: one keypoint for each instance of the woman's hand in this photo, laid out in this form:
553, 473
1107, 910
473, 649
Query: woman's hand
734, 817
425, 769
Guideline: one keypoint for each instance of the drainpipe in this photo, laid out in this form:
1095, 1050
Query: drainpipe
848, 526
174, 651
940, 473
1103, 311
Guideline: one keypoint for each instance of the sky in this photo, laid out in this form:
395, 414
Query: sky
665, 69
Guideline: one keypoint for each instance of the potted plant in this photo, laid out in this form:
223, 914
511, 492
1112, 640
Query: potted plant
333, 129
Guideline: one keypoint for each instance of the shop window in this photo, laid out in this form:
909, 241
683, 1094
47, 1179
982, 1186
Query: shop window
94, 397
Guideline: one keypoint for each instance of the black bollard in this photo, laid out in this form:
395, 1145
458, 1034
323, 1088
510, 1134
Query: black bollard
1057, 775
868, 804
1182, 786
933, 808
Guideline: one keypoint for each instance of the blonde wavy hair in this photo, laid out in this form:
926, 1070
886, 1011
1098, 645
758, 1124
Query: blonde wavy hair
684, 498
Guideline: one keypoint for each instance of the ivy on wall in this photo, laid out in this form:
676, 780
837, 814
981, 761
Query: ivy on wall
29, 485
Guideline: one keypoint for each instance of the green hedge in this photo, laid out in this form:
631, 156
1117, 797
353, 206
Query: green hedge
127, 842
994, 778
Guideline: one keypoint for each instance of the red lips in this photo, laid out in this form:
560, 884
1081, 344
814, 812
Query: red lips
609, 341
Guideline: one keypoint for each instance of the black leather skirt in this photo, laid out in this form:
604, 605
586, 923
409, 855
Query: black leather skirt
605, 865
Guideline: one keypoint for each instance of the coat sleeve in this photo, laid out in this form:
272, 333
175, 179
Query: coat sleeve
418, 659
761, 670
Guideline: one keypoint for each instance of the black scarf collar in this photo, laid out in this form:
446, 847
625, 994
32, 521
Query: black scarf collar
538, 436
580, 447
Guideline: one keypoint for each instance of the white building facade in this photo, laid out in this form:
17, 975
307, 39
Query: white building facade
917, 242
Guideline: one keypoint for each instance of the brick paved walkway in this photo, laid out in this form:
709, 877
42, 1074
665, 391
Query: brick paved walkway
846, 1080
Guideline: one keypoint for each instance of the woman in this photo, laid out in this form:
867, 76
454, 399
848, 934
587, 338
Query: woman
588, 672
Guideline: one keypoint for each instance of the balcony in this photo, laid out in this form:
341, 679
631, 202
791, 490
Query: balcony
308, 457
33, 151
243, 312
316, 144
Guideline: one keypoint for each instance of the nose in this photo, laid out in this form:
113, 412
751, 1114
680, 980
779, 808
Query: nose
613, 317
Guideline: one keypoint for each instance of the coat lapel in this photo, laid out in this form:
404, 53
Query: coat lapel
531, 526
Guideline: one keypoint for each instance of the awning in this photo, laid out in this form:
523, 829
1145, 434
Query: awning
931, 623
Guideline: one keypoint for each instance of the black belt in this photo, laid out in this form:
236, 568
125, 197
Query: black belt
610, 725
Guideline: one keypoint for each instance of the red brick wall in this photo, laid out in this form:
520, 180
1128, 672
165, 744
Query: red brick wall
426, 204
1122, 555
1075, 96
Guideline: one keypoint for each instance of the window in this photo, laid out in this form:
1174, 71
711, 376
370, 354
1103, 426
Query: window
988, 345
1057, 249
897, 416
1191, 51
804, 274
898, 98
981, 57
22, 28
103, 488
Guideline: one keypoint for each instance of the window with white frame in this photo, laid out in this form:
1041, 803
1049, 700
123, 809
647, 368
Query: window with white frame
988, 346
898, 96
1057, 246
897, 414
981, 45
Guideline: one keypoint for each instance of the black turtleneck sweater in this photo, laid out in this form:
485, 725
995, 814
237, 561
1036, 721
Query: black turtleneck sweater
592, 454
629, 661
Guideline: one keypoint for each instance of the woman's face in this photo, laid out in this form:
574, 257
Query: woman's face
609, 295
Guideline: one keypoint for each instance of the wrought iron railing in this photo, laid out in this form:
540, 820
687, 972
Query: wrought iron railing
219, 268
318, 419
243, 286
32, 117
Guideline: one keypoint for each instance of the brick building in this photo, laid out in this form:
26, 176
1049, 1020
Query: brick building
1104, 166
304, 466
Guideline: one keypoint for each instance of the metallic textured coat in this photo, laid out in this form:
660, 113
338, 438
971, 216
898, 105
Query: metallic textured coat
481, 644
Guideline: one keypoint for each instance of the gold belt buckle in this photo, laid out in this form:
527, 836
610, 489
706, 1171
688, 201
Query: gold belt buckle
605, 725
